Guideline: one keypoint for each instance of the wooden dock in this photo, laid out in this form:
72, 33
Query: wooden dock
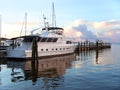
87, 45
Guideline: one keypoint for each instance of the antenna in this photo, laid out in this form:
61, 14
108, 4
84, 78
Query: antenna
44, 18
53, 16
45, 23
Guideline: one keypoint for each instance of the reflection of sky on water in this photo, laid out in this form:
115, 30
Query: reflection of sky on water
84, 70
17, 71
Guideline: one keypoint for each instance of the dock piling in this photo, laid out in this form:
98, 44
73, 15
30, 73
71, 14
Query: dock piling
34, 60
34, 49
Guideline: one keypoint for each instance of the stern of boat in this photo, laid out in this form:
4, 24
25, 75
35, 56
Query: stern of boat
18, 53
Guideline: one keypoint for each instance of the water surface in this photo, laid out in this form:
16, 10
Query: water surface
87, 70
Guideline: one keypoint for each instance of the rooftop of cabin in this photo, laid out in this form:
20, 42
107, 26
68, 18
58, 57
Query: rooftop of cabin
53, 28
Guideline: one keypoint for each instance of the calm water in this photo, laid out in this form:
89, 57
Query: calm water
90, 70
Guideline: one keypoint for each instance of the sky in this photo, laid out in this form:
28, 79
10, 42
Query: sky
81, 19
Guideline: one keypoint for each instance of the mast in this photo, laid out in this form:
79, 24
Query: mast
53, 16
25, 23
0, 27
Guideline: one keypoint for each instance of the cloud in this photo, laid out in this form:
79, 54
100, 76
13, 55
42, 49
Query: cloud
106, 24
108, 31
78, 29
86, 34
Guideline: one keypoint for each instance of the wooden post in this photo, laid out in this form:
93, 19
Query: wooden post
78, 47
97, 45
34, 65
96, 56
84, 46
13, 44
34, 61
89, 45
81, 46
34, 49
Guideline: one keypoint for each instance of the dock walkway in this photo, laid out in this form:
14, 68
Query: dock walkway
87, 45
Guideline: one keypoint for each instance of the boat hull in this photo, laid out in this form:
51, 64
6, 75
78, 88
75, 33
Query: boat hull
28, 53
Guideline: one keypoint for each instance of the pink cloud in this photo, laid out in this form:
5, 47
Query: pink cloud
104, 30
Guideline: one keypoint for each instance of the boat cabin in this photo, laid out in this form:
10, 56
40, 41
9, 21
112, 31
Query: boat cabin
56, 30
39, 39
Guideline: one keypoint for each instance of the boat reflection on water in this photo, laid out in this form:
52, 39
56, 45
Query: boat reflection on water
54, 72
52, 68
49, 69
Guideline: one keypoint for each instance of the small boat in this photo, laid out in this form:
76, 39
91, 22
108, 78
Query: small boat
3, 47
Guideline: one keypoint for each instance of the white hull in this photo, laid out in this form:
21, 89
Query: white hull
52, 50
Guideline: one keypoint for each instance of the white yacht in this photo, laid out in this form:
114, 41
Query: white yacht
50, 42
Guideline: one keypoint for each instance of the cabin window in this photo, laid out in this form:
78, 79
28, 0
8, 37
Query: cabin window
67, 48
60, 48
39, 39
46, 49
52, 49
55, 40
42, 50
68, 42
56, 49
43, 39
49, 39
28, 39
